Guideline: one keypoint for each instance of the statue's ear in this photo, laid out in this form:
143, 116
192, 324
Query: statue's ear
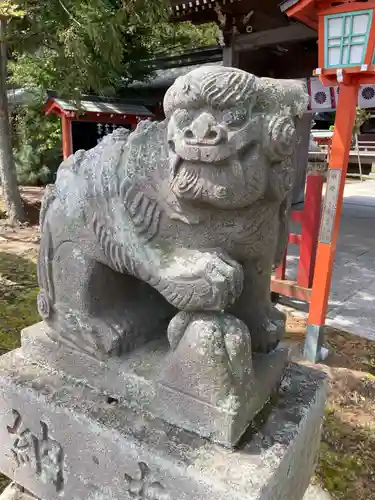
280, 137
281, 177
280, 144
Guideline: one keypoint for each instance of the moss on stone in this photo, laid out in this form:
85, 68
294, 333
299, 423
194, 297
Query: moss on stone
4, 482
346, 466
18, 291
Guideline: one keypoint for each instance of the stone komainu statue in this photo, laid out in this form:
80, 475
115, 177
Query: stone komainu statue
190, 214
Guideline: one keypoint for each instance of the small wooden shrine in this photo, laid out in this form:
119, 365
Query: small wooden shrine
85, 124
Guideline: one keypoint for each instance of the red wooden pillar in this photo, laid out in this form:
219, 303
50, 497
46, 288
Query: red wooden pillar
67, 140
310, 230
307, 242
329, 229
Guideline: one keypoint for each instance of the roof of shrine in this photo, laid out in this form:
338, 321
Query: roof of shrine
182, 8
305, 12
97, 106
201, 11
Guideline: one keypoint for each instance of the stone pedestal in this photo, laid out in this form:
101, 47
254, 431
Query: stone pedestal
154, 379
61, 438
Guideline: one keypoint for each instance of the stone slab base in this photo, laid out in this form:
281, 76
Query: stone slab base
15, 493
61, 439
134, 380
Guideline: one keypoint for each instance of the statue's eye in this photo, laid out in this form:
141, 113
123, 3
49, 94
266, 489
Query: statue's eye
182, 118
228, 117
234, 118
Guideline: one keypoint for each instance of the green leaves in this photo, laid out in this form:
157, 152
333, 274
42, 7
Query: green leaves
362, 115
77, 46
94, 46
83, 46
10, 9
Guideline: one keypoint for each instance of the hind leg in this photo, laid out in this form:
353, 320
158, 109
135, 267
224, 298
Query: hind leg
98, 310
254, 307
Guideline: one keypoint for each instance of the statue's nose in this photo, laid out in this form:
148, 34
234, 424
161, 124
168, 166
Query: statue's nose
204, 130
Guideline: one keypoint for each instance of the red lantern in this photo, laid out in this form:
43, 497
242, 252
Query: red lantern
346, 38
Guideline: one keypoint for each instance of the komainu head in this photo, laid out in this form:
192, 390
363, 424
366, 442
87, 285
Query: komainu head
227, 131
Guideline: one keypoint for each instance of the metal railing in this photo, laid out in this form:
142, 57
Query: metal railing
363, 151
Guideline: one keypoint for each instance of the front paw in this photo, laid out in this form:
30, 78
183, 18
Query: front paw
208, 281
224, 278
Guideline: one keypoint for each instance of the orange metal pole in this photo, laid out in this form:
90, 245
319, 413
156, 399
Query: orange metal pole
67, 140
329, 230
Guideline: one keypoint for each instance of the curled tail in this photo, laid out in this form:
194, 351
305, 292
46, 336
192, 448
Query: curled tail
48, 198
46, 296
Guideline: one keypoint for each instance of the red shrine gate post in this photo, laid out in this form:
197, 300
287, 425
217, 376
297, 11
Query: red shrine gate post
346, 38
67, 138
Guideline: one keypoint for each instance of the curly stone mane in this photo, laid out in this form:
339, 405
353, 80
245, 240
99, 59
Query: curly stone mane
216, 86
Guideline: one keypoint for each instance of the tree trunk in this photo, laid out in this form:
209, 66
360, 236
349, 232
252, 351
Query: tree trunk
8, 175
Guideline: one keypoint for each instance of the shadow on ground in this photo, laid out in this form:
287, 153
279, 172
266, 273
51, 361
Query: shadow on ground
347, 457
346, 466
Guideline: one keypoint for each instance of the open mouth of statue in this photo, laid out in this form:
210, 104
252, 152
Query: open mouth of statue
197, 165
215, 154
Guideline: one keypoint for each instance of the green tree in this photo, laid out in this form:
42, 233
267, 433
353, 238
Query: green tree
176, 38
80, 46
361, 117
36, 144
76, 47
8, 177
